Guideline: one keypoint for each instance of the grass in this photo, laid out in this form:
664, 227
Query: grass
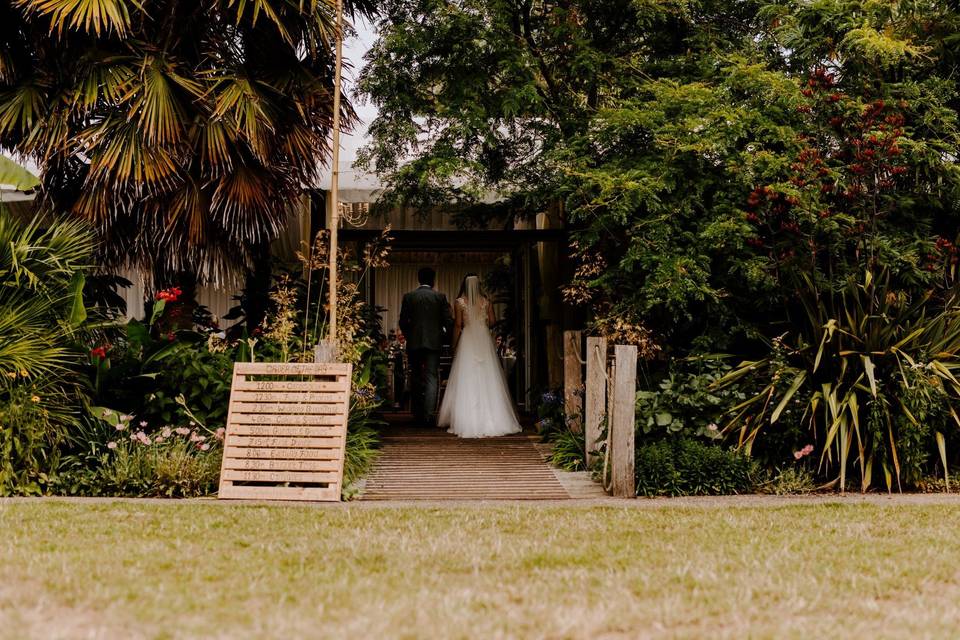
175, 570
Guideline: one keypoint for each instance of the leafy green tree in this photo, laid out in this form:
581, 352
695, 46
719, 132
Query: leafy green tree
657, 122
562, 101
180, 130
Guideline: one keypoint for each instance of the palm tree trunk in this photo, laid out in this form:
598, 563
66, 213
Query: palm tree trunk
257, 289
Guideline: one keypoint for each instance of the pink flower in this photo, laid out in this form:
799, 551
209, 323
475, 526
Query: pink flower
183, 431
204, 447
807, 450
219, 433
121, 426
143, 423
111, 445
142, 437
167, 432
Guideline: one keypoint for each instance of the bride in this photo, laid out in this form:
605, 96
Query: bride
477, 402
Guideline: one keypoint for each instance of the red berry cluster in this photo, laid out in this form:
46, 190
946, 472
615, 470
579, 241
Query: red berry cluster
767, 207
819, 84
877, 146
99, 352
170, 295
943, 250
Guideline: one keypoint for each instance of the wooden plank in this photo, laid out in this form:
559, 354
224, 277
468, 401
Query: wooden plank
280, 442
264, 453
622, 426
300, 397
239, 475
290, 407
595, 399
573, 380
291, 385
281, 465
309, 431
292, 368
305, 494
285, 418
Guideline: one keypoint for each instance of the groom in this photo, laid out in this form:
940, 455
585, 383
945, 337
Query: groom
424, 317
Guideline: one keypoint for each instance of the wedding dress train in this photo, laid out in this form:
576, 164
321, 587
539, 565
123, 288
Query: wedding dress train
477, 403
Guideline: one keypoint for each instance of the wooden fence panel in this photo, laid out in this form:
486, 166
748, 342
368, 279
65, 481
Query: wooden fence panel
286, 431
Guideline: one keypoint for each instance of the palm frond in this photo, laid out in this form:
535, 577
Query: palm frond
13, 174
96, 16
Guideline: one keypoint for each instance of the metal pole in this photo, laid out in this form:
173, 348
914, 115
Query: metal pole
335, 178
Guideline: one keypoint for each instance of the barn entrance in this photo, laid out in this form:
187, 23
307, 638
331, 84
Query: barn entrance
522, 270
509, 264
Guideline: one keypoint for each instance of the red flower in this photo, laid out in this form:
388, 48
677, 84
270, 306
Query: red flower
98, 352
170, 295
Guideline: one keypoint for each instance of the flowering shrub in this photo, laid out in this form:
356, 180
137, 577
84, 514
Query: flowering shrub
122, 455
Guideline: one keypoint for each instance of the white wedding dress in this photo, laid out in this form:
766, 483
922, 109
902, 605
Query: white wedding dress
477, 403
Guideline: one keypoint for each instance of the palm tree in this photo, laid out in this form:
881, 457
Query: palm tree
180, 130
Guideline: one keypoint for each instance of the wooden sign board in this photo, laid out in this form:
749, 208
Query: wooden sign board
286, 431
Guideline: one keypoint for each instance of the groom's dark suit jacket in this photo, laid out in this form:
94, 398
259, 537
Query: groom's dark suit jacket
424, 316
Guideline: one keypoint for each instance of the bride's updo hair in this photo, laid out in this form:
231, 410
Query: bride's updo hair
463, 285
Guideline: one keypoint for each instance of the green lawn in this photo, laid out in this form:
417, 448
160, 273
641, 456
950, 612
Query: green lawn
171, 570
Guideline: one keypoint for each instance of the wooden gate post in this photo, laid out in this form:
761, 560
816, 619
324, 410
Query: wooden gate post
622, 423
595, 395
572, 380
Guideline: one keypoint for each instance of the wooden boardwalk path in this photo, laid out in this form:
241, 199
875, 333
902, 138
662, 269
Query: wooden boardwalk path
421, 464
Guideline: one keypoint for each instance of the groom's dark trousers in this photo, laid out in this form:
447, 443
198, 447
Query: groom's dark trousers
425, 383
424, 317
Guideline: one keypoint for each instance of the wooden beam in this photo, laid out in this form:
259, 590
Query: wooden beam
458, 240
622, 427
595, 394
573, 380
